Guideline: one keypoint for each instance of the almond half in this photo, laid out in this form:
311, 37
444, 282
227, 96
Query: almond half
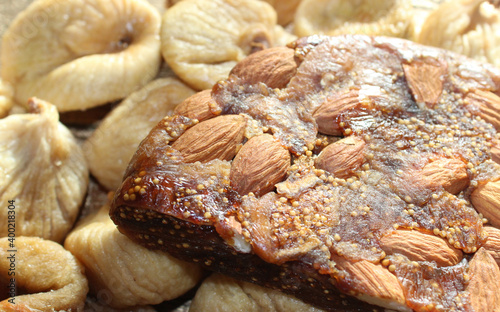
418, 246
327, 113
259, 165
343, 157
197, 106
374, 284
488, 104
425, 81
273, 67
451, 174
216, 138
486, 200
484, 282
495, 151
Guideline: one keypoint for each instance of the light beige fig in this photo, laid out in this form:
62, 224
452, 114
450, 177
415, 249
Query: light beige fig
343, 157
79, 54
284, 8
492, 245
47, 277
44, 171
420, 12
6, 101
216, 138
486, 200
484, 275
111, 146
92, 304
469, 27
202, 40
335, 17
124, 272
259, 165
420, 247
224, 294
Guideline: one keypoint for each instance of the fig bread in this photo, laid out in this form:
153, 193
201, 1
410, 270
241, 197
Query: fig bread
353, 172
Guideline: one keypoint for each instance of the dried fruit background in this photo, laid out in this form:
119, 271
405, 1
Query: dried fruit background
8, 11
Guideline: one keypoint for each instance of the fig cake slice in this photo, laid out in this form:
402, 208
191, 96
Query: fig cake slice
365, 184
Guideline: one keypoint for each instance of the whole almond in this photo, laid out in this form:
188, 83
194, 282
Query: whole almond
449, 173
425, 81
374, 283
343, 157
418, 246
216, 138
488, 104
197, 106
327, 113
484, 282
273, 67
492, 245
486, 200
259, 165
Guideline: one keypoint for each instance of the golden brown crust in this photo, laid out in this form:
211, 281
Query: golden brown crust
319, 224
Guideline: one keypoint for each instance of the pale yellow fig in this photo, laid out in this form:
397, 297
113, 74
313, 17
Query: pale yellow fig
224, 294
469, 27
113, 143
93, 304
6, 102
420, 12
47, 277
79, 54
122, 272
368, 17
203, 40
43, 172
284, 8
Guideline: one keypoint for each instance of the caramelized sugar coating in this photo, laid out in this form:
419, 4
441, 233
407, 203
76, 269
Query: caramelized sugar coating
48, 277
420, 144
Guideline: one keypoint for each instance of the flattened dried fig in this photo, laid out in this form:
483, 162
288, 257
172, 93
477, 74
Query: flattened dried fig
6, 102
203, 40
78, 54
44, 171
224, 294
469, 27
129, 273
335, 17
50, 275
113, 143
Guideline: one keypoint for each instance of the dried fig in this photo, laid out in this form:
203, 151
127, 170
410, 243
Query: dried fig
75, 54
203, 40
334, 17
49, 276
6, 102
113, 143
224, 294
469, 27
44, 172
126, 272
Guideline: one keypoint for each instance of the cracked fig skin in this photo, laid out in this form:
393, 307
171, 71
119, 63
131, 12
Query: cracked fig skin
326, 232
79, 54
44, 170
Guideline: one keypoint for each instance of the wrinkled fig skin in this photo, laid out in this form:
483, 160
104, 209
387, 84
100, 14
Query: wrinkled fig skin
319, 233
